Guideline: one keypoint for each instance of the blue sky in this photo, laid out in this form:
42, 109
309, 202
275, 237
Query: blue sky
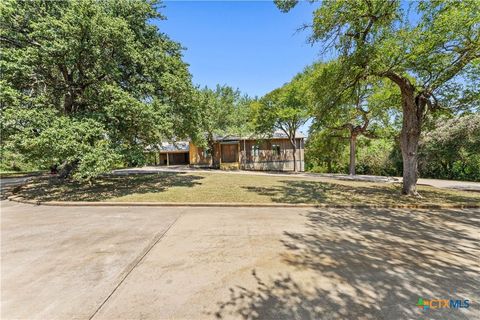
249, 45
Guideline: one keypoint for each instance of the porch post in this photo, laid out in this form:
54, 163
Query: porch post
168, 160
220, 158
238, 148
244, 155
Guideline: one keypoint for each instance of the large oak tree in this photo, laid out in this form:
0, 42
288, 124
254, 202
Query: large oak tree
87, 84
425, 54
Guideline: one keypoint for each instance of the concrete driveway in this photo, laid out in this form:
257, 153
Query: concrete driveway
236, 263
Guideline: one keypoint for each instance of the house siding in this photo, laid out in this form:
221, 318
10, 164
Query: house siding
267, 159
264, 159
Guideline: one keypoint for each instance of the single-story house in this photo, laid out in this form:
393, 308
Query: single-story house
234, 152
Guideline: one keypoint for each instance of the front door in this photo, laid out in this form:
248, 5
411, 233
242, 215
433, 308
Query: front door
229, 153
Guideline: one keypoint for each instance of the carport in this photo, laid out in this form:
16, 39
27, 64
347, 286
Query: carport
168, 153
175, 157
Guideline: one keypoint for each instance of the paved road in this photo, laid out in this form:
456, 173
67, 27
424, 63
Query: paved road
8, 182
236, 263
451, 184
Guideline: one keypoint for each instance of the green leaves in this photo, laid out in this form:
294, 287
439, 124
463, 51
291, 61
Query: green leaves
452, 149
425, 54
285, 5
89, 82
222, 111
429, 47
98, 160
45, 138
285, 109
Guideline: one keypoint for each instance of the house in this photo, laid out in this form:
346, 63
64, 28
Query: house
234, 152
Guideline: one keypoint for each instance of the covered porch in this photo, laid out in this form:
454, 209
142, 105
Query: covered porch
167, 158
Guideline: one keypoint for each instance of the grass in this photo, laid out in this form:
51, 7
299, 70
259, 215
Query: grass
243, 188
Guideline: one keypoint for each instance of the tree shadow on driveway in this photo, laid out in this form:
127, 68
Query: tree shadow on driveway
369, 264
107, 187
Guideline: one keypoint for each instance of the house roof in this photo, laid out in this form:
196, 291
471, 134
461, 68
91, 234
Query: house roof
170, 146
276, 135
183, 146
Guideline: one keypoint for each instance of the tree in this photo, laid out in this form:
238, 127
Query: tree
422, 55
352, 115
324, 153
285, 109
89, 84
223, 111
360, 110
452, 149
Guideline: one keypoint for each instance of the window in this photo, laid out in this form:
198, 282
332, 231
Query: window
275, 149
206, 153
255, 151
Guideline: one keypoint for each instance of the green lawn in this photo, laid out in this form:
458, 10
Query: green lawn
244, 188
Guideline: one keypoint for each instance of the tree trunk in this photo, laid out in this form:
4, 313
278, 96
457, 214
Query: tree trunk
294, 145
295, 159
244, 155
409, 138
66, 169
353, 141
413, 112
68, 101
211, 146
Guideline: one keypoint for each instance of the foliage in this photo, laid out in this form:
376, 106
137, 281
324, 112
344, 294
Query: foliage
222, 111
86, 84
452, 149
428, 57
13, 162
327, 154
374, 156
285, 109
366, 109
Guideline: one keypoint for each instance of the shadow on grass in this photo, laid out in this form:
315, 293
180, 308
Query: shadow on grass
107, 187
369, 264
325, 192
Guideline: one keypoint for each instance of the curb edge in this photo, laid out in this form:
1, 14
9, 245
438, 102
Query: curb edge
236, 204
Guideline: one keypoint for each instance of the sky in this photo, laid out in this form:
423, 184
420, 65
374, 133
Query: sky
249, 45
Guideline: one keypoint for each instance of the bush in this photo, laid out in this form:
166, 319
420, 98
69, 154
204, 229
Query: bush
326, 154
452, 149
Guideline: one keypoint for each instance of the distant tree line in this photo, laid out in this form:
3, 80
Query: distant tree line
451, 150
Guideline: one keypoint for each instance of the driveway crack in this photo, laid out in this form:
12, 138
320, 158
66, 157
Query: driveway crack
156, 239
